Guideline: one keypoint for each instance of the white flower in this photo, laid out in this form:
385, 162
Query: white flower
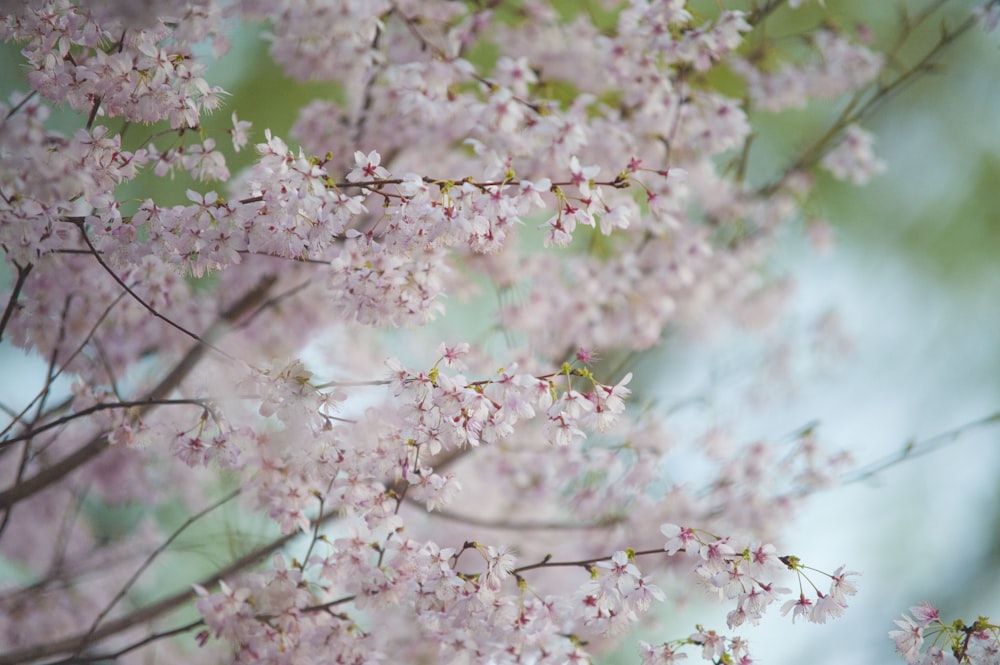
367, 167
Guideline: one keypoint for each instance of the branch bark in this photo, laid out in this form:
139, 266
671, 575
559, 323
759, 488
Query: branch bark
161, 391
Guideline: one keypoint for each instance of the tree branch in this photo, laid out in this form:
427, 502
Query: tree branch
22, 276
135, 296
150, 612
98, 444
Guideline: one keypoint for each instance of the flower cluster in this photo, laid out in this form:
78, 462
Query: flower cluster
854, 159
104, 68
580, 182
924, 639
462, 606
842, 66
750, 578
46, 176
747, 577
616, 595
447, 411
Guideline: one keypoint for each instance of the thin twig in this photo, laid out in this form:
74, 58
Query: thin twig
148, 613
74, 643
99, 443
72, 357
152, 310
148, 562
547, 561
22, 276
913, 449
101, 407
855, 111
515, 525
113, 656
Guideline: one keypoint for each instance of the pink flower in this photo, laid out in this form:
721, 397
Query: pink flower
801, 607
679, 538
614, 396
583, 176
367, 167
659, 654
239, 132
925, 614
618, 217
764, 560
712, 644
224, 610
826, 606
644, 594
854, 158
909, 638
452, 355
500, 561
620, 569
841, 587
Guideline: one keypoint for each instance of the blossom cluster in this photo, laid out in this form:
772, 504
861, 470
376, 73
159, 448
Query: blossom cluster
746, 576
102, 67
842, 66
44, 174
923, 638
582, 180
300, 608
448, 411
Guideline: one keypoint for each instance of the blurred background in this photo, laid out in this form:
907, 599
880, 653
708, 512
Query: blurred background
908, 303
907, 300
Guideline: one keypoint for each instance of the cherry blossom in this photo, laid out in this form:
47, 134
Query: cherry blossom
975, 643
281, 340
854, 158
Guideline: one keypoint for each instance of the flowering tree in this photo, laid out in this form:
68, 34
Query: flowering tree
489, 498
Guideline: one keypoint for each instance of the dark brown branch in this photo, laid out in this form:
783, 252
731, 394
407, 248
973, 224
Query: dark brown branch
22, 276
149, 560
17, 107
26, 451
150, 612
272, 302
99, 407
90, 658
72, 356
547, 562
152, 310
98, 444
763, 11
